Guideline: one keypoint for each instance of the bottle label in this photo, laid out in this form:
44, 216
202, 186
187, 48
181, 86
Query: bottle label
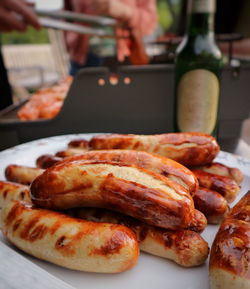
197, 100
202, 6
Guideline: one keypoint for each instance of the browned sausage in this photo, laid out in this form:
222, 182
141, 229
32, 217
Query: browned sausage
13, 191
69, 152
229, 260
21, 174
184, 247
79, 143
152, 162
138, 192
213, 205
225, 186
69, 242
47, 161
190, 149
223, 170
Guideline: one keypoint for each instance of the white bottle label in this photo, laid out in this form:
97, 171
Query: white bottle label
198, 97
202, 6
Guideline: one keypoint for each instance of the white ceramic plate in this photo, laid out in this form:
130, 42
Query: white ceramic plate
151, 271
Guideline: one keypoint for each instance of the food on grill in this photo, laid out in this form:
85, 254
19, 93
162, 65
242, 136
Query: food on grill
189, 149
225, 186
69, 242
223, 170
229, 261
213, 205
129, 189
45, 103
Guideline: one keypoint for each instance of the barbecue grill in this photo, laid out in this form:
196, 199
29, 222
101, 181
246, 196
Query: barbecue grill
140, 102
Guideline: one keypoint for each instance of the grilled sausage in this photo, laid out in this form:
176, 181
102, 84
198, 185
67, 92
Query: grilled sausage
230, 255
152, 162
21, 174
13, 191
213, 205
225, 186
223, 170
69, 242
79, 143
47, 161
137, 192
69, 152
190, 149
184, 247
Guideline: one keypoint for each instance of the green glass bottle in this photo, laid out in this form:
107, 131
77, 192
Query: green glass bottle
197, 72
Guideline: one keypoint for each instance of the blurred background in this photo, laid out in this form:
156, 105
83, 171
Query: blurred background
37, 59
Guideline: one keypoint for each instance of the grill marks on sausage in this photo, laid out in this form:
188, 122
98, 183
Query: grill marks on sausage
14, 213
5, 193
65, 246
231, 247
31, 232
112, 246
17, 224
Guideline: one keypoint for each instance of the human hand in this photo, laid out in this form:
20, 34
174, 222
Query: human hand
112, 8
15, 15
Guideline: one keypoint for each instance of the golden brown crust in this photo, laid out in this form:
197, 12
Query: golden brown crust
13, 191
47, 161
225, 186
189, 149
21, 174
184, 247
69, 242
213, 205
124, 188
79, 143
149, 161
223, 170
231, 246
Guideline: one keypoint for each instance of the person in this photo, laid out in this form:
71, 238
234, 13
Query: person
14, 15
140, 16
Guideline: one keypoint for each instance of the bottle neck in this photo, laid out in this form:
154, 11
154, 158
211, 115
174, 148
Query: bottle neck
201, 24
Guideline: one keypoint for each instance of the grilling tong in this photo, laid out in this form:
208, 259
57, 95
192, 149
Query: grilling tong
51, 19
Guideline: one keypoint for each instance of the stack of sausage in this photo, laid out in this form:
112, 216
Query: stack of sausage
116, 191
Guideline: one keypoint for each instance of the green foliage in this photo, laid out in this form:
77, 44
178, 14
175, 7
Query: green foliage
31, 36
164, 14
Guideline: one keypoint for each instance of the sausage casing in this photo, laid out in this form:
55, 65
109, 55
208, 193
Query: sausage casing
225, 186
21, 174
152, 162
13, 191
137, 192
190, 149
212, 204
223, 170
69, 242
184, 247
229, 260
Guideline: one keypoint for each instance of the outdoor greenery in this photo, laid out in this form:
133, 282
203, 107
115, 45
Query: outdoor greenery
31, 36
168, 12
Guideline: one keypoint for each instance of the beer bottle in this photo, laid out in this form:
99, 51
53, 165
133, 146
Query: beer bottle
197, 72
